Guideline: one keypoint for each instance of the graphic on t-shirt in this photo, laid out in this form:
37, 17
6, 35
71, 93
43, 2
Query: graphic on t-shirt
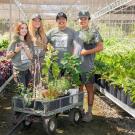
24, 57
37, 51
61, 42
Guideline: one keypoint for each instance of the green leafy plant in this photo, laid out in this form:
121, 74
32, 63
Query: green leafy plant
56, 83
116, 64
24, 92
58, 87
71, 66
4, 42
51, 69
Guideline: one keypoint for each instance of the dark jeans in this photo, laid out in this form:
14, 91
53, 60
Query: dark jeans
24, 77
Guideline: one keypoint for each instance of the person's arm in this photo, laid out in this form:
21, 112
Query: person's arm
10, 54
98, 48
99, 45
45, 43
12, 51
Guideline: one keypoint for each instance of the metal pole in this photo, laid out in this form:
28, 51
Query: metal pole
19, 15
10, 17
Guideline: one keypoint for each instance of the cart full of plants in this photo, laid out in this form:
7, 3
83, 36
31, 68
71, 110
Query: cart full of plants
56, 93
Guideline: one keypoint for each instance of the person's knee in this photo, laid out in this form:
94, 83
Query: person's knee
89, 86
81, 87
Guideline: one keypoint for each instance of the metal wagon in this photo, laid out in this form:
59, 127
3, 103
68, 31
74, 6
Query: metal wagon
47, 111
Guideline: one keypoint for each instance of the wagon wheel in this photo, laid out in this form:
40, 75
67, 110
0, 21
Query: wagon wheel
27, 123
75, 116
50, 125
16, 116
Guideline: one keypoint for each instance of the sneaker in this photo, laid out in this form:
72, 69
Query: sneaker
87, 117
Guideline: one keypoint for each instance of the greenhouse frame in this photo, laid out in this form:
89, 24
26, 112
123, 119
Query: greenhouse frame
114, 71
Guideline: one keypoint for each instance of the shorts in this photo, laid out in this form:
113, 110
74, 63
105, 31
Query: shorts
87, 77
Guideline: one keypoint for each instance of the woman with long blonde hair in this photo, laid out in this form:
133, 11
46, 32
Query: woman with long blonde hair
38, 35
39, 39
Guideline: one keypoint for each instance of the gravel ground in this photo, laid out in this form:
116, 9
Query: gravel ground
114, 115
108, 119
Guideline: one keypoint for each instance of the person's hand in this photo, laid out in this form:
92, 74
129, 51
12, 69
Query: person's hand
24, 46
84, 52
18, 48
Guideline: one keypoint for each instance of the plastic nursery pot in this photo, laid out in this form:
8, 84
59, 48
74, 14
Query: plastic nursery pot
102, 83
97, 78
113, 90
118, 90
107, 86
123, 96
129, 102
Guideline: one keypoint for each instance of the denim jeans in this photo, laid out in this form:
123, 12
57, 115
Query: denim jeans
23, 77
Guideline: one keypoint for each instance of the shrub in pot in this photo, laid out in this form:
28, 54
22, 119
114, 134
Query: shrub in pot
123, 96
118, 90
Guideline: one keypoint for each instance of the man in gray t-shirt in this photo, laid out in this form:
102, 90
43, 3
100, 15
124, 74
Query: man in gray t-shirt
63, 38
91, 44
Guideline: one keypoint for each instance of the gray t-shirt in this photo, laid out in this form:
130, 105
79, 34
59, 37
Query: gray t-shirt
39, 46
20, 61
63, 41
88, 39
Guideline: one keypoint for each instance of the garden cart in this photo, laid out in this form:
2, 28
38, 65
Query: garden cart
47, 111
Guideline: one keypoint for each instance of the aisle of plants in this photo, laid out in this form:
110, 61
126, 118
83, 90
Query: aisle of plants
115, 69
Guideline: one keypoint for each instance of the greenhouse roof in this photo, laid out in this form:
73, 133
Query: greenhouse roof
49, 8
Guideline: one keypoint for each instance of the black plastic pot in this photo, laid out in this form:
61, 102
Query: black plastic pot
97, 78
129, 102
123, 96
102, 83
107, 86
118, 90
113, 90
